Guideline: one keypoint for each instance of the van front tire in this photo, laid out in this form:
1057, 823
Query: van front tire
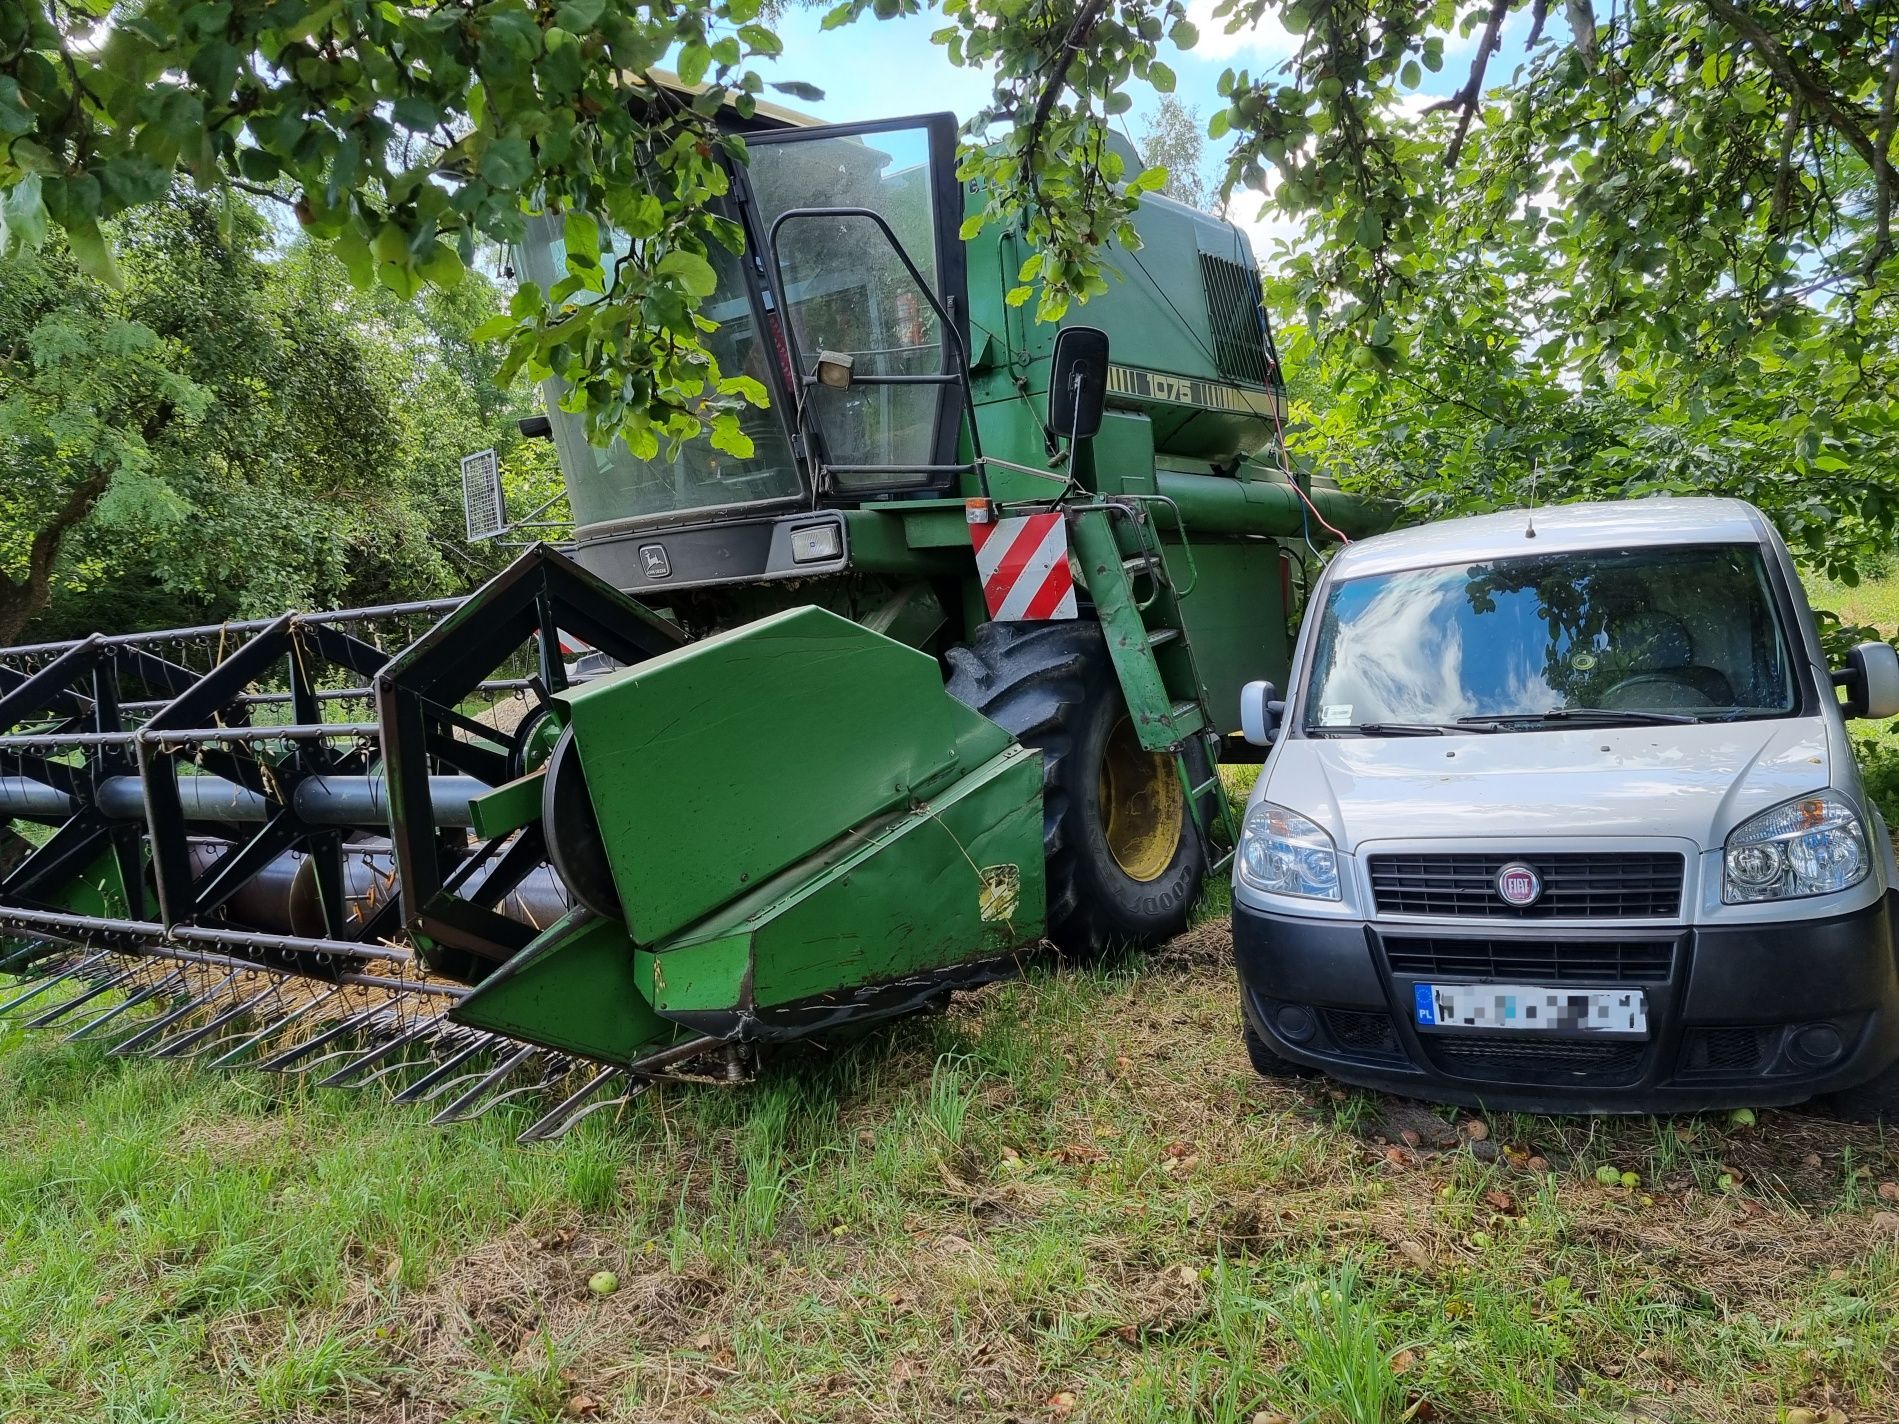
1876, 1100
1266, 1062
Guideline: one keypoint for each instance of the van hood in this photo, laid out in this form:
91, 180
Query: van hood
1694, 782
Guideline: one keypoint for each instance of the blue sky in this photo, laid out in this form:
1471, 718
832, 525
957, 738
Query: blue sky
877, 69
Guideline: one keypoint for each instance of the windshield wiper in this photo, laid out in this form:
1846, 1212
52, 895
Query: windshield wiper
1405, 729
1596, 716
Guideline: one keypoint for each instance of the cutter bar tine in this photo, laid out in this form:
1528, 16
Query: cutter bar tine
125, 1048
568, 1113
271, 1030
53, 981
342, 1076
175, 1047
66, 1006
296, 1051
457, 1111
150, 991
542, 1084
440, 1079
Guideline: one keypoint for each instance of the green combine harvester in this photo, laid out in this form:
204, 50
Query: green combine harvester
778, 745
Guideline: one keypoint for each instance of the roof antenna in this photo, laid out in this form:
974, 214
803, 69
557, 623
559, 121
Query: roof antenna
1529, 528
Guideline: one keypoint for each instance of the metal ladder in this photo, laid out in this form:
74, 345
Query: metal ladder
1124, 565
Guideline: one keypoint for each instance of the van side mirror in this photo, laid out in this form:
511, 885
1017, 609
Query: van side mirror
1261, 713
1871, 680
1078, 382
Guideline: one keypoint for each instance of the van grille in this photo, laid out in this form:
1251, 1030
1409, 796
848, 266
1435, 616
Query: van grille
1532, 961
1508, 1059
1576, 885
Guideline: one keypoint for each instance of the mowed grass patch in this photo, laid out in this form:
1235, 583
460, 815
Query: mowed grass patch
1065, 1198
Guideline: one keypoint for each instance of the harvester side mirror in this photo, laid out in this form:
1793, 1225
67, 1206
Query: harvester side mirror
1261, 713
535, 427
1871, 680
1078, 382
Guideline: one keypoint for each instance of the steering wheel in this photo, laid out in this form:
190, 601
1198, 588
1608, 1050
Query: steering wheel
1681, 692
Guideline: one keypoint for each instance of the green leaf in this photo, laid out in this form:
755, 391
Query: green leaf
689, 270
694, 60
1161, 77
581, 235
1411, 76
495, 327
22, 216
508, 164
972, 225
579, 16
15, 117
760, 40
1185, 34
93, 254
441, 265
727, 436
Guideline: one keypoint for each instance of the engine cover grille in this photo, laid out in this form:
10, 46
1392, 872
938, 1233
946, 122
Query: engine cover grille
1576, 885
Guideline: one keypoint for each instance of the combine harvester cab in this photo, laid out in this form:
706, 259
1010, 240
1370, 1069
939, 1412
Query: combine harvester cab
941, 669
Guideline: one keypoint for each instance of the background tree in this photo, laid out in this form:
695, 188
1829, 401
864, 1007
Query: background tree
231, 431
1174, 138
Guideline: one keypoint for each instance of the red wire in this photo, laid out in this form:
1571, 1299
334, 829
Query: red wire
1285, 464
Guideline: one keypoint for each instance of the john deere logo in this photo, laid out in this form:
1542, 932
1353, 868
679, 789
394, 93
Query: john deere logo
1519, 885
653, 561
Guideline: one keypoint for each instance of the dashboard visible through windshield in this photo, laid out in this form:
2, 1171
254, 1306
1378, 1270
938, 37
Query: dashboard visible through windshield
1682, 633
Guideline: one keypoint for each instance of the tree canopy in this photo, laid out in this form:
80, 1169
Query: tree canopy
231, 431
1668, 222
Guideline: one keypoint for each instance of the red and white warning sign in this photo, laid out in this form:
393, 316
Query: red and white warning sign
1024, 567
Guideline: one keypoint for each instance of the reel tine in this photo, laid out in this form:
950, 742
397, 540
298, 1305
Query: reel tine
66, 1006
361, 1019
271, 1030
150, 991
458, 1110
176, 1047
52, 981
432, 1084
125, 1048
342, 1077
569, 1113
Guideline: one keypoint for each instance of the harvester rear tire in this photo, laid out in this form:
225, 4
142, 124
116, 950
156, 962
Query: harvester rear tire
1054, 688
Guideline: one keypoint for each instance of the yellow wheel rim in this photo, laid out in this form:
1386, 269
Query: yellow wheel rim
1141, 805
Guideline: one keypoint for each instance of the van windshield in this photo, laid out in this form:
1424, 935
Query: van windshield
1684, 633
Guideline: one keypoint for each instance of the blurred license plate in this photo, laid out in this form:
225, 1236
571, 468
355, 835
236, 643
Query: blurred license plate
1521, 1006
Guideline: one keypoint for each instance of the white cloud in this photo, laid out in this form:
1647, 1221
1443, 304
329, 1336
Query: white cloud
1268, 40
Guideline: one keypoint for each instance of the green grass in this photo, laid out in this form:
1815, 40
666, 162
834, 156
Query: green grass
1873, 602
1067, 1197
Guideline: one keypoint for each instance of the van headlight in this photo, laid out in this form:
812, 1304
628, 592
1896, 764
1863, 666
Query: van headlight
1284, 853
1812, 845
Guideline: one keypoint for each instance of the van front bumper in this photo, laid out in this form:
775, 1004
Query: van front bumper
1754, 1016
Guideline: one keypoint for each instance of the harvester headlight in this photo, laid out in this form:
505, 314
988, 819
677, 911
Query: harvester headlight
1812, 845
1284, 853
814, 543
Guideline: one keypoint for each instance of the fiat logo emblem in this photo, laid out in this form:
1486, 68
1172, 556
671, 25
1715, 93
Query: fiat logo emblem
1519, 885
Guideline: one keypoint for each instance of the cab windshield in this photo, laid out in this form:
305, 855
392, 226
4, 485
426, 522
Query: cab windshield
847, 295
1685, 633
610, 484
